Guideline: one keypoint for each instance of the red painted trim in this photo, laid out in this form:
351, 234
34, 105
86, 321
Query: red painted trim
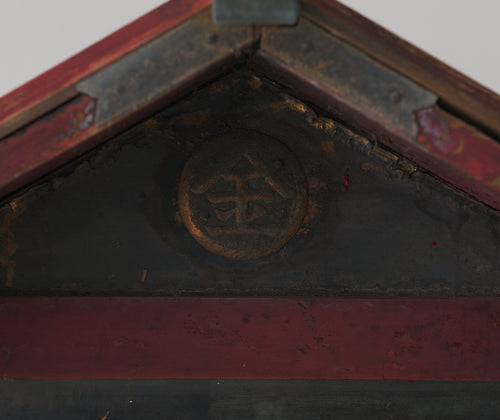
472, 156
27, 102
473, 166
120, 338
454, 88
49, 142
446, 146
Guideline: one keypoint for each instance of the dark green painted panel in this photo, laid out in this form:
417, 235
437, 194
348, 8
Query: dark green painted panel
376, 225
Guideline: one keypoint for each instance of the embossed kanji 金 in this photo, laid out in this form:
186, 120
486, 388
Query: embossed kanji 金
242, 195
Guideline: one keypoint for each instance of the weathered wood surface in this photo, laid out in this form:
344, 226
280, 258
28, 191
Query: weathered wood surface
380, 102
226, 399
375, 226
57, 85
475, 106
49, 143
250, 338
118, 96
457, 91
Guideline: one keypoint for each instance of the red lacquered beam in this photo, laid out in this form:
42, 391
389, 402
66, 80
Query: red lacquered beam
132, 338
53, 87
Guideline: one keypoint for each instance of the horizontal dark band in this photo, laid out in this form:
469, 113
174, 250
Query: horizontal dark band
211, 399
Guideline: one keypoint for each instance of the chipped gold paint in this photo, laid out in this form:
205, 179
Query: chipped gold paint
371, 167
314, 210
316, 184
151, 123
255, 82
360, 140
326, 125
496, 183
384, 155
406, 168
227, 86
285, 105
193, 119
178, 218
144, 275
456, 124
460, 147
327, 146
356, 138
350, 133
9, 245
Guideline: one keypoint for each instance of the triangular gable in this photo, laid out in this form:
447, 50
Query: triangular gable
334, 58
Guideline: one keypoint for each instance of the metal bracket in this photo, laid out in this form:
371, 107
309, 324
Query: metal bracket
255, 12
163, 65
350, 76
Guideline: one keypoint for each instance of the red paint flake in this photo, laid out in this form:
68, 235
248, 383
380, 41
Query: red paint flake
345, 179
466, 156
434, 243
99, 55
47, 143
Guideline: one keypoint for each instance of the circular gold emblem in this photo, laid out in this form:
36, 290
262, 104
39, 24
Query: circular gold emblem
242, 195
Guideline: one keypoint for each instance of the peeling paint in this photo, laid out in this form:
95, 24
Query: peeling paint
464, 149
193, 119
314, 209
7, 240
327, 146
371, 167
255, 82
41, 146
144, 275
326, 125
285, 105
384, 155
151, 123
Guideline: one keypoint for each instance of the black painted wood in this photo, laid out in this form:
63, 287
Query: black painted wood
376, 226
194, 399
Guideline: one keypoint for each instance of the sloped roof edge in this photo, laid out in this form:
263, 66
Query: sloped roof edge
57, 85
61, 114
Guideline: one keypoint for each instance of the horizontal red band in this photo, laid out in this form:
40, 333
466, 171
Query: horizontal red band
131, 338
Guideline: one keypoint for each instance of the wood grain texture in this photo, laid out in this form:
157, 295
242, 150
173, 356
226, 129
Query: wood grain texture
118, 96
51, 141
473, 167
459, 92
464, 155
55, 86
376, 225
133, 338
476, 103
247, 399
